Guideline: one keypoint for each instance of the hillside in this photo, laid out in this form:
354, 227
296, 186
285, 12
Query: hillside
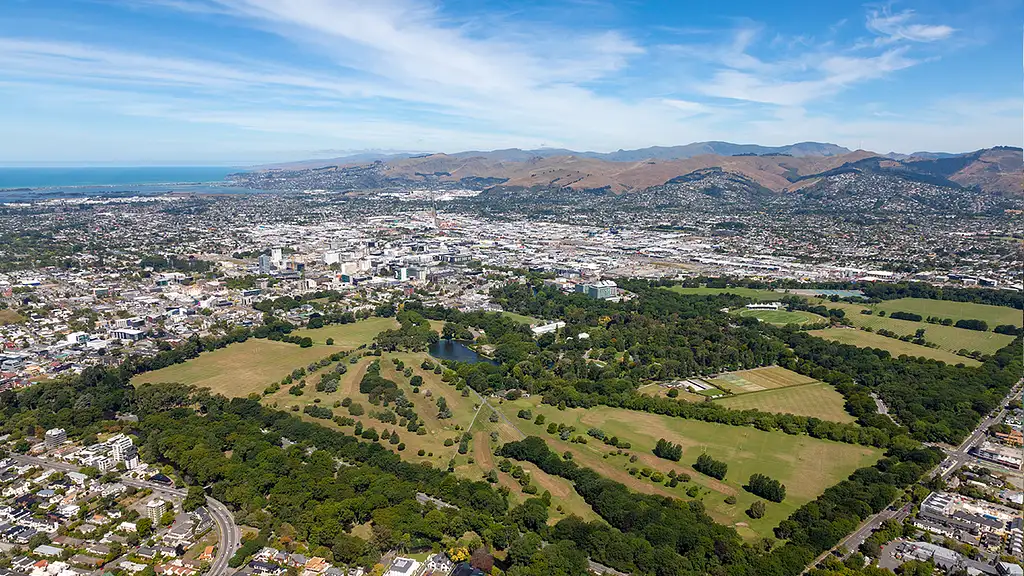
994, 172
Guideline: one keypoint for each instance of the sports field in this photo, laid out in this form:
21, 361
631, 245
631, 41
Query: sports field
818, 400
993, 315
239, 369
807, 466
758, 379
781, 317
892, 345
752, 293
947, 337
349, 335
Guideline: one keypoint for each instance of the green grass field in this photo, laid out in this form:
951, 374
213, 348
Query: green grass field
807, 466
758, 379
892, 345
754, 294
818, 400
947, 337
528, 320
239, 369
781, 317
349, 335
993, 315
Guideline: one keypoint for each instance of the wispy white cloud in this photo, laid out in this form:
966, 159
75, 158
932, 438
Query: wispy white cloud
404, 73
901, 26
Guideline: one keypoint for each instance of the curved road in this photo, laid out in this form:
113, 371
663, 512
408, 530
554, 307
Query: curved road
229, 537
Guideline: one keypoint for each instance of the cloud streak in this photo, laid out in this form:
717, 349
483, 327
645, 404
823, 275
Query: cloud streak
901, 27
407, 74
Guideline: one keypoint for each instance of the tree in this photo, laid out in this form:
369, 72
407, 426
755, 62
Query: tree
346, 548
520, 551
144, 527
767, 488
668, 450
167, 518
196, 498
707, 465
482, 560
756, 509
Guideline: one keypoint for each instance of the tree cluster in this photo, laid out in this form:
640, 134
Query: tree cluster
707, 465
668, 450
767, 488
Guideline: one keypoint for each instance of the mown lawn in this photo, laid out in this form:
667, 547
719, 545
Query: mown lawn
752, 293
240, 369
528, 320
947, 338
247, 367
993, 315
349, 335
807, 466
758, 379
781, 317
818, 400
894, 346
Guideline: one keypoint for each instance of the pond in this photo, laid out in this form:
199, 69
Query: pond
457, 351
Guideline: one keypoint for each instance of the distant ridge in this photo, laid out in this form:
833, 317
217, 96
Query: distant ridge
803, 166
800, 149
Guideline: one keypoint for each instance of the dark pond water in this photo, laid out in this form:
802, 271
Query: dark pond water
457, 351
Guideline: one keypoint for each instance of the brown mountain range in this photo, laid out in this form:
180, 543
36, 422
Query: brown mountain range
994, 170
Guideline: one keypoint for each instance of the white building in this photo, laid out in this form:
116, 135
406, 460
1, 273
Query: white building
55, 437
122, 449
128, 334
155, 508
544, 329
403, 567
764, 306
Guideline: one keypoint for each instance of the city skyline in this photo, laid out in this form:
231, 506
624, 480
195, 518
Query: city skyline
261, 81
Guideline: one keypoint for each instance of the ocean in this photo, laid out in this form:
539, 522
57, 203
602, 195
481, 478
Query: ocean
34, 184
110, 176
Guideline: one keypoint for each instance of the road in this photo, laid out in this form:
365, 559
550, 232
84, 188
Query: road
229, 536
960, 455
956, 458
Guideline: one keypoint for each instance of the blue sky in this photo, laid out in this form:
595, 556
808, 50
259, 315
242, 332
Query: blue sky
230, 81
